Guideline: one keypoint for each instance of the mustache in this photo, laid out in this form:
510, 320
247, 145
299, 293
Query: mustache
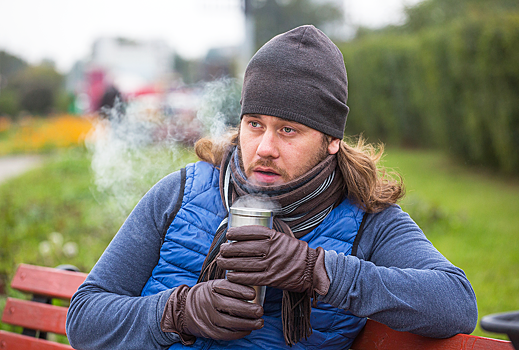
268, 163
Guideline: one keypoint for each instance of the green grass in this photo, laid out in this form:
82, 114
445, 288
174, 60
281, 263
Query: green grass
48, 209
52, 204
469, 215
54, 215
472, 217
59, 204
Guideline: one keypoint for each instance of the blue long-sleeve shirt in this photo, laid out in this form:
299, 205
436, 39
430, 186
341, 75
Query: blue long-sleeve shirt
397, 278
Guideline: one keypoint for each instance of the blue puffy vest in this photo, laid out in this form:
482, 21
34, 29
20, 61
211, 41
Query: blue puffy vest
186, 245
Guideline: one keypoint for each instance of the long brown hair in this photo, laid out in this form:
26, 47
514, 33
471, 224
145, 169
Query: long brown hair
366, 183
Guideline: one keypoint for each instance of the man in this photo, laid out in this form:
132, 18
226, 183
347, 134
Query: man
341, 250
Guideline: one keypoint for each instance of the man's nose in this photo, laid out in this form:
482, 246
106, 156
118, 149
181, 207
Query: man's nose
268, 147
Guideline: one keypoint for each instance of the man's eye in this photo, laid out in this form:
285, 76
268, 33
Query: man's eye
254, 124
288, 130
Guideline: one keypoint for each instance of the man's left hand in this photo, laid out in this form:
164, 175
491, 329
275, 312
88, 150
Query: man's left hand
264, 257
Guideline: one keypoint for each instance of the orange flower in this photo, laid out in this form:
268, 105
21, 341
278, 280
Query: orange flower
53, 132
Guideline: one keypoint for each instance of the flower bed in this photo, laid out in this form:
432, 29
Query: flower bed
40, 134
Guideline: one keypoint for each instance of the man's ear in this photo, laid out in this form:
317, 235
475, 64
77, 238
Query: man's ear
333, 147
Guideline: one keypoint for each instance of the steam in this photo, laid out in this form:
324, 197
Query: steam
135, 146
257, 201
220, 107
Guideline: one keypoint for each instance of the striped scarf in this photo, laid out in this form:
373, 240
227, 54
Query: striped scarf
303, 204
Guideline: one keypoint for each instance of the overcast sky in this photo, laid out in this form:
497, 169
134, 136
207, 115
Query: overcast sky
64, 30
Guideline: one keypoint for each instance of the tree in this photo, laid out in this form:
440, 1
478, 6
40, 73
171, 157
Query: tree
9, 65
9, 98
38, 88
431, 13
273, 17
190, 70
9, 102
35, 89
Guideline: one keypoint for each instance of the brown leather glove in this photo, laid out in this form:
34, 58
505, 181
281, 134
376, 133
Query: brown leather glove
215, 309
264, 257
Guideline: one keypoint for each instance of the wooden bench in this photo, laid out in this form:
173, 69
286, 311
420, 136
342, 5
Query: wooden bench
376, 336
44, 282
38, 316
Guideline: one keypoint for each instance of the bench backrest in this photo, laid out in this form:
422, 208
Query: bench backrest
44, 284
376, 336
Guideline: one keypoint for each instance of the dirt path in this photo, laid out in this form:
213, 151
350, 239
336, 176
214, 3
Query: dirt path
12, 166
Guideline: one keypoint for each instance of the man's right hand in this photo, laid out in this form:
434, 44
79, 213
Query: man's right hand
217, 309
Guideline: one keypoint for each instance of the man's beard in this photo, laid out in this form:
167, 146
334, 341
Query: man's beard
268, 162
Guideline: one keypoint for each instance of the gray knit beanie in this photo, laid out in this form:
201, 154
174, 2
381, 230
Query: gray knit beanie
300, 76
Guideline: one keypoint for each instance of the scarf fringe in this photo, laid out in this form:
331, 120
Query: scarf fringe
212, 272
295, 316
210, 269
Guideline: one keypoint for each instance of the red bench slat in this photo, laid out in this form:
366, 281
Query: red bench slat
13, 341
34, 315
376, 336
47, 281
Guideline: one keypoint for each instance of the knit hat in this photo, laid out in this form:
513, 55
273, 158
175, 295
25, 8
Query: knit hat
300, 76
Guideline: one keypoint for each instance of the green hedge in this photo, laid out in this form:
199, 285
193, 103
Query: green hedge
454, 87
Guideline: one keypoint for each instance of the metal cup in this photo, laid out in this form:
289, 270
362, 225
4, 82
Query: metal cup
240, 216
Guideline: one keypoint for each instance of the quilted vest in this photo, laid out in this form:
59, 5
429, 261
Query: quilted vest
186, 245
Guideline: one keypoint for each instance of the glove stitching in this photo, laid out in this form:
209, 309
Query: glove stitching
182, 325
311, 258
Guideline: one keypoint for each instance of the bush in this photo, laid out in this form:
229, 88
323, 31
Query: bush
454, 87
33, 89
9, 102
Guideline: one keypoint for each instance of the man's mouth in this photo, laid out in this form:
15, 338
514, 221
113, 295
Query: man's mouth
265, 175
268, 173
265, 172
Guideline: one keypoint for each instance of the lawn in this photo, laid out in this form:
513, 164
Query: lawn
471, 216
55, 215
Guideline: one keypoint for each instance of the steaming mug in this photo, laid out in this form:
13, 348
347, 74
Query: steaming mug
240, 216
